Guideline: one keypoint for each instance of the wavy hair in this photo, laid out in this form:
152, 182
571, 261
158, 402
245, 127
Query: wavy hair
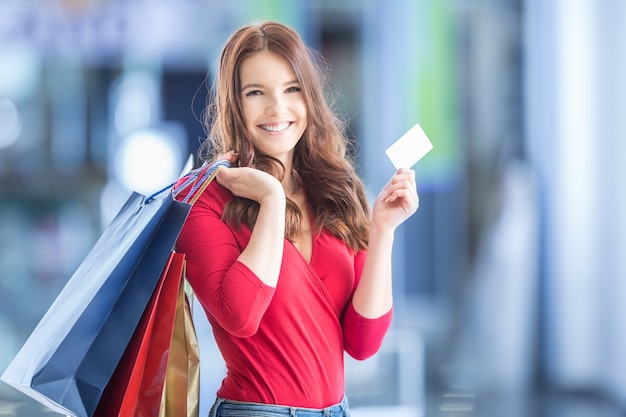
333, 190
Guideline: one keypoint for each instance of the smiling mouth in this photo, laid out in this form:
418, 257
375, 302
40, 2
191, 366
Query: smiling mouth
276, 128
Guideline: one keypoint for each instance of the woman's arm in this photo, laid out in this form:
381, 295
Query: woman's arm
236, 285
264, 252
396, 202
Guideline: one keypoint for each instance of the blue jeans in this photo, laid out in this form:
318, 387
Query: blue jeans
228, 408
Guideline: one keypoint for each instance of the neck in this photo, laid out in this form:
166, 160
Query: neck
290, 182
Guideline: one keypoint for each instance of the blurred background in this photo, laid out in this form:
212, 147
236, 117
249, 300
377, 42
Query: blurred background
509, 279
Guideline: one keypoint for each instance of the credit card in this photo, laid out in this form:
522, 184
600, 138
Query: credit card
410, 148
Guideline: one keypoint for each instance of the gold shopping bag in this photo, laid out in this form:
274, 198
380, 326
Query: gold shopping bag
181, 392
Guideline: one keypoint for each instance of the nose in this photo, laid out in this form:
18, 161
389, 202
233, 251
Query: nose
275, 104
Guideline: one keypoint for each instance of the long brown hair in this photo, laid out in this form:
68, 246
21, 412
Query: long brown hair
334, 192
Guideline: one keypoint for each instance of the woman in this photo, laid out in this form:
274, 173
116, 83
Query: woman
282, 252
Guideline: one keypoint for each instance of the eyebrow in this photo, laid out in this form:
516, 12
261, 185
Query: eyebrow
261, 85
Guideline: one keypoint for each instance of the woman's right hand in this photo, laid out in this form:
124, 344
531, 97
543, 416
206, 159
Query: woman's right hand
250, 183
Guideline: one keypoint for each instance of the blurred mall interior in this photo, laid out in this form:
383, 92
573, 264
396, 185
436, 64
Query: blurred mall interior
507, 281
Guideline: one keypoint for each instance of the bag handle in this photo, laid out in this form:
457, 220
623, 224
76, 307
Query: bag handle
199, 187
208, 174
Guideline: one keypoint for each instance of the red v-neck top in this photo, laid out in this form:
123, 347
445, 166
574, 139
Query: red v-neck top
281, 345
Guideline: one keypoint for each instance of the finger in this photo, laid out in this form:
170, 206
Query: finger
405, 189
405, 171
402, 178
400, 183
397, 194
388, 191
230, 156
403, 174
224, 174
404, 199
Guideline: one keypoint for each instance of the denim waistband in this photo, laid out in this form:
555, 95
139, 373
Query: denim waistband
224, 408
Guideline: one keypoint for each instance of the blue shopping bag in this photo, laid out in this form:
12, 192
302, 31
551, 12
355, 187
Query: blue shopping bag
71, 355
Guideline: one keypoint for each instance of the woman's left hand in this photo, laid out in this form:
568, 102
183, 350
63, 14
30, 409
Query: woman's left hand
397, 201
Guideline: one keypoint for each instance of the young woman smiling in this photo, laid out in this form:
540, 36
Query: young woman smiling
286, 257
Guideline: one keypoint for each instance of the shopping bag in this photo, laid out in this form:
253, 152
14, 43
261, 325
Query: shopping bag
145, 384
71, 355
73, 351
181, 392
136, 387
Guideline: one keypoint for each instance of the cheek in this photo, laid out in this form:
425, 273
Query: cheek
302, 109
246, 113
250, 110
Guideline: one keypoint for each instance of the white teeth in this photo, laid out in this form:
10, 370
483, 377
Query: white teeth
277, 128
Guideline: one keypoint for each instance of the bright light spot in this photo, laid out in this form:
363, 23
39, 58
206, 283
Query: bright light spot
135, 106
20, 70
147, 161
10, 123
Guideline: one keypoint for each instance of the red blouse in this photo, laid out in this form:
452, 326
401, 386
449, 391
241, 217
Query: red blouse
281, 345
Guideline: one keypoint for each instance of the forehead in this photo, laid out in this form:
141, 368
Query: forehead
266, 66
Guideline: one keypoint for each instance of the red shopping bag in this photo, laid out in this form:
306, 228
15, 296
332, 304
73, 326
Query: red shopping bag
137, 384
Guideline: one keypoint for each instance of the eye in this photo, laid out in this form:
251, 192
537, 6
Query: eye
293, 89
253, 93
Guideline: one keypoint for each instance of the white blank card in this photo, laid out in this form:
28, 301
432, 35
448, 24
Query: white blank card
410, 148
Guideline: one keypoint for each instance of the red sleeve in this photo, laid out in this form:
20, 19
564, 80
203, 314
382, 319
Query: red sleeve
227, 289
363, 336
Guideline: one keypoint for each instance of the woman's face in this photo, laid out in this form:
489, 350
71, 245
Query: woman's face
273, 104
